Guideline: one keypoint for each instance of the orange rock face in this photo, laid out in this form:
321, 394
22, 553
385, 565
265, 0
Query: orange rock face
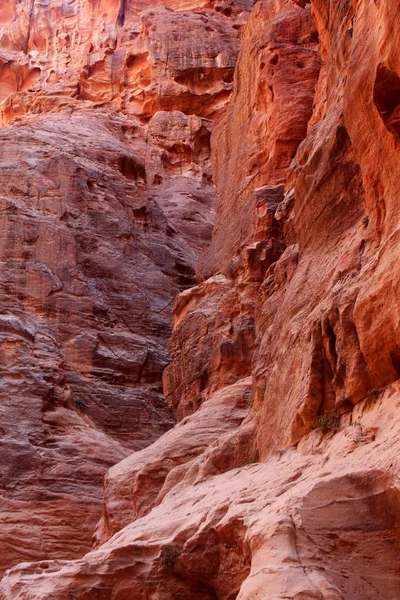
214, 332
106, 194
340, 343
139, 56
280, 480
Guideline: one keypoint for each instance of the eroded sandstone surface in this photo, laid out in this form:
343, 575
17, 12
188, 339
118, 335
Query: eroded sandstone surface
281, 478
106, 112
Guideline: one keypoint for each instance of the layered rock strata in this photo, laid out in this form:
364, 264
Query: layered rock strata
140, 57
106, 194
319, 521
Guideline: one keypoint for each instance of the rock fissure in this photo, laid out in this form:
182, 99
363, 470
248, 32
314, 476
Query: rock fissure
30, 19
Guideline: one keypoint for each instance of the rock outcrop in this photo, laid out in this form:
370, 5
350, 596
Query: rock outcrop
106, 201
139, 57
316, 521
140, 482
281, 478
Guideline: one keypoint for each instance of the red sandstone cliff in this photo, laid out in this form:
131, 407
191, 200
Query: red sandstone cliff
106, 199
281, 478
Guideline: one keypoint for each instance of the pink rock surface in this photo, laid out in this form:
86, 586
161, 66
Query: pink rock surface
318, 521
212, 342
83, 325
142, 480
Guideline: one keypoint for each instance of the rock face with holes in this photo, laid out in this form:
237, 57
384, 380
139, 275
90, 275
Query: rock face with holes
139, 56
281, 478
106, 200
329, 304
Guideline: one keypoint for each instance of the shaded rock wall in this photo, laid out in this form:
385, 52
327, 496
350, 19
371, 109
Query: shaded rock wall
106, 199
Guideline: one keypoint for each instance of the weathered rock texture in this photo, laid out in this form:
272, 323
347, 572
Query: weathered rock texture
143, 479
252, 150
316, 522
138, 56
295, 320
106, 199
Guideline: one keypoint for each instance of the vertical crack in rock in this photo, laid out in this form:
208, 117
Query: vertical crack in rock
316, 592
30, 19
121, 13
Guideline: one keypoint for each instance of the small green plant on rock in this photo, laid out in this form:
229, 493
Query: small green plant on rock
327, 422
232, 379
79, 403
254, 458
169, 555
373, 393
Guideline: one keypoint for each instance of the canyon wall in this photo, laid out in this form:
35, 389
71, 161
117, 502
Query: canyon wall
106, 200
281, 477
